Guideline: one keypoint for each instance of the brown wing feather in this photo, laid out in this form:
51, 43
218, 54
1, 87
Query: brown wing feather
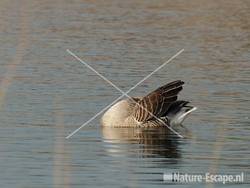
157, 102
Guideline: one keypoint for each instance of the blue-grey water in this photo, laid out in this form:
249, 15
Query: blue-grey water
46, 94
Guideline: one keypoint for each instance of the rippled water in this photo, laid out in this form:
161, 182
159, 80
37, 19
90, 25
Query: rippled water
46, 93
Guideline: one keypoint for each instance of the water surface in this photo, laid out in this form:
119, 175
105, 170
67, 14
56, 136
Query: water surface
46, 94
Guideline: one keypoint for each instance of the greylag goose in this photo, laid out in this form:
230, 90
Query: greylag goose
158, 108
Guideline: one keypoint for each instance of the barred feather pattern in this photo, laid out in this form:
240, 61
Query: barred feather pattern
158, 108
156, 103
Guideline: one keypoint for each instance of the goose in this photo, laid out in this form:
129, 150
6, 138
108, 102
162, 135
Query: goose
157, 109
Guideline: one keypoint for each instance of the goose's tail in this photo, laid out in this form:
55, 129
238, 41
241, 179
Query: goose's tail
178, 111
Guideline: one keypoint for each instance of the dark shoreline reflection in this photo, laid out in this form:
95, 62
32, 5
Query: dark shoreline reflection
152, 142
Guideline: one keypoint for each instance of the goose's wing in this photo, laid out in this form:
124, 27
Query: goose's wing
156, 103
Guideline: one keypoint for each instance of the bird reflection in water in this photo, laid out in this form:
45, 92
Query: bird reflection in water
146, 142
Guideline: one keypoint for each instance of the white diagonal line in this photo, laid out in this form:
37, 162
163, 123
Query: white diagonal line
91, 119
91, 68
123, 93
